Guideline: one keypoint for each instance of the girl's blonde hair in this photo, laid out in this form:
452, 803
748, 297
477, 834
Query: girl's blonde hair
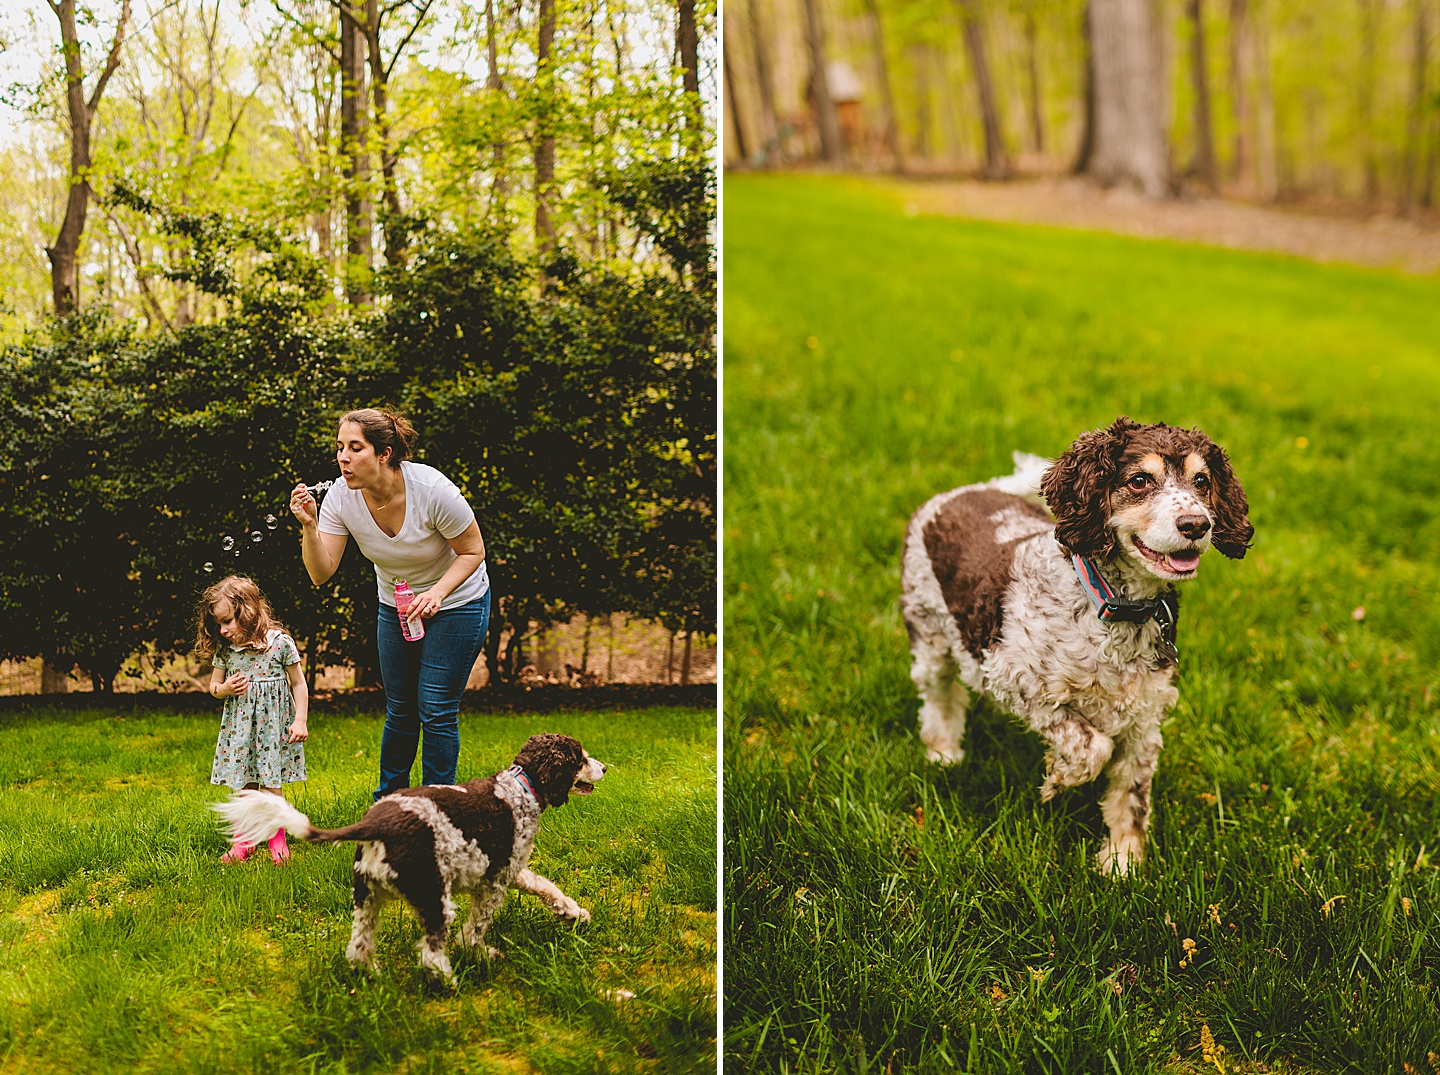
250, 609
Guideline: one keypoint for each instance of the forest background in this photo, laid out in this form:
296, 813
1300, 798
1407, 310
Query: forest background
1333, 104
224, 222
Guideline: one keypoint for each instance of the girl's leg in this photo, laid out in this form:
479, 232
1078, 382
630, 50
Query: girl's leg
400, 674
279, 850
452, 643
239, 849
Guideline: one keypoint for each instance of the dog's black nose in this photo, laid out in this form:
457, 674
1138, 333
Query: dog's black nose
1193, 527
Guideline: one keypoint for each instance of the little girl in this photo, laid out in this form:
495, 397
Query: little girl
258, 673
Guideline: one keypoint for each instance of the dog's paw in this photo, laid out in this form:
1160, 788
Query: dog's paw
1119, 860
493, 953
572, 910
944, 756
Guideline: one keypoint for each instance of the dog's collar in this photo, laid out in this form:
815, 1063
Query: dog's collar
1111, 607
524, 781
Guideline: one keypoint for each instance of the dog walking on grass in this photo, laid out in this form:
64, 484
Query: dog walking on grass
425, 844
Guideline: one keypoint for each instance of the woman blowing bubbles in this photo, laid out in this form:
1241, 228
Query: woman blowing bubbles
413, 524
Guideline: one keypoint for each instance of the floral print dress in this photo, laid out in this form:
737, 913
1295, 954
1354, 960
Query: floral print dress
255, 725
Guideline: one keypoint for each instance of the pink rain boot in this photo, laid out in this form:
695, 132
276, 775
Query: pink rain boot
279, 851
239, 852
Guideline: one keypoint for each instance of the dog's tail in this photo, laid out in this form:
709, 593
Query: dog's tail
1029, 469
255, 816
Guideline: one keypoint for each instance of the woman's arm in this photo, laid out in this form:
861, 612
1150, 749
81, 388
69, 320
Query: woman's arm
320, 551
299, 729
469, 549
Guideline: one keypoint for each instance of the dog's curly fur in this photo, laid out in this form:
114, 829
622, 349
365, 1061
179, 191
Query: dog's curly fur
425, 844
992, 603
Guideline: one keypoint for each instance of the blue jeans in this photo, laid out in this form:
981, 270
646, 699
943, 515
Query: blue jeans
424, 682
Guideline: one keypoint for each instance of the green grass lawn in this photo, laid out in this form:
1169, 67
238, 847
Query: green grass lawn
125, 946
885, 914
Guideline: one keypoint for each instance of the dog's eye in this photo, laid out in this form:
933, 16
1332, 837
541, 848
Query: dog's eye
1138, 482
1202, 481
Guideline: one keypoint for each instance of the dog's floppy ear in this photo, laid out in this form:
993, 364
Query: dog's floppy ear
551, 762
1232, 531
1077, 488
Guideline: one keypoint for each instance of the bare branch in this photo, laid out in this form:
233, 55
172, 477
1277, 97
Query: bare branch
307, 30
113, 60
142, 274
419, 19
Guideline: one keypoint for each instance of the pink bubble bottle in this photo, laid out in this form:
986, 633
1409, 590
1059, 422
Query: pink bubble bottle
413, 632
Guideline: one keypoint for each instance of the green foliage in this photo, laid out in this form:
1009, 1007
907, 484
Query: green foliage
882, 912
125, 946
579, 422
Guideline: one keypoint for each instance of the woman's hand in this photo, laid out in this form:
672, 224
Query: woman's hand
425, 604
303, 506
235, 686
298, 731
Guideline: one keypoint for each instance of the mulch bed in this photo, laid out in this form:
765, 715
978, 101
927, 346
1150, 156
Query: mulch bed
541, 698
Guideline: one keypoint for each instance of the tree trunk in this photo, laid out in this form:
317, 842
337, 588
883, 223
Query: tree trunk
997, 161
494, 672
887, 94
1267, 184
64, 253
1129, 147
515, 651
734, 111
610, 653
1412, 180
949, 116
1365, 90
53, 680
353, 130
1203, 163
920, 64
764, 79
670, 660
685, 660
1244, 163
395, 238
687, 42
545, 130
494, 86
832, 147
1032, 62
1087, 129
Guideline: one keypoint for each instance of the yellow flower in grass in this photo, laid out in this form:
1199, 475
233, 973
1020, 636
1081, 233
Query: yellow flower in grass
1189, 956
1210, 1049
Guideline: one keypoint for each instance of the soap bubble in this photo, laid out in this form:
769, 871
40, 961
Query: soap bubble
271, 522
237, 554
227, 543
209, 567
256, 536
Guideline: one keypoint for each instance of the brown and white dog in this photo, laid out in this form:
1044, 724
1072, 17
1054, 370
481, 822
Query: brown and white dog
425, 844
1000, 597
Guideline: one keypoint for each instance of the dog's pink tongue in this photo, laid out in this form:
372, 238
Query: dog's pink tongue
1184, 560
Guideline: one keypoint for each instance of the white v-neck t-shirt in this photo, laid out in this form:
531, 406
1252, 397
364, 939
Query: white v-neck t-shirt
420, 551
